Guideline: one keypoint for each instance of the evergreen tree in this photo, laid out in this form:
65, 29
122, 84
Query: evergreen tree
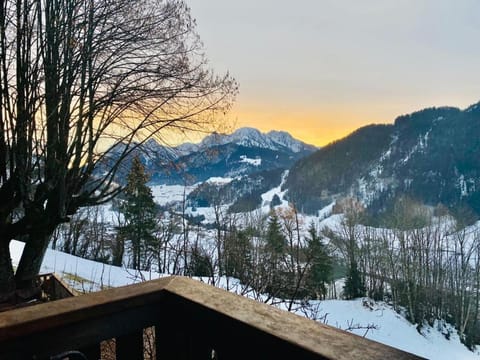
275, 240
320, 271
200, 263
275, 201
354, 286
139, 211
275, 249
238, 255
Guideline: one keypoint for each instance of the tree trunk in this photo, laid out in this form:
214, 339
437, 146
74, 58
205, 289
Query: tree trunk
7, 279
30, 263
118, 250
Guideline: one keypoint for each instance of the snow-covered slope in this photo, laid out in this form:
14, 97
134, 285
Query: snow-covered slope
389, 327
394, 330
285, 139
250, 137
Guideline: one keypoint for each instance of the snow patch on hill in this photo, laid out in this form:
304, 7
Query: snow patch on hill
166, 194
254, 162
219, 180
268, 196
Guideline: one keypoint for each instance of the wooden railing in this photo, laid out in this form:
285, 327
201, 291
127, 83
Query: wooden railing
55, 288
191, 320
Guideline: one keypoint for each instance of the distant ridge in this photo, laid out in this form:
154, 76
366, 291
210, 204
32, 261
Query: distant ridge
250, 137
245, 151
432, 155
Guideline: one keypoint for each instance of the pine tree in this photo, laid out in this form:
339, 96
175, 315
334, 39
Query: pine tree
275, 240
354, 286
139, 211
200, 263
275, 201
238, 255
320, 271
275, 249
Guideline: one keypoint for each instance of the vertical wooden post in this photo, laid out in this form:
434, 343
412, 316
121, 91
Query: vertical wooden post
130, 347
172, 343
92, 352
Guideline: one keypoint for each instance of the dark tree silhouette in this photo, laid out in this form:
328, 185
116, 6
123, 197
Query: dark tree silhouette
84, 82
320, 270
140, 216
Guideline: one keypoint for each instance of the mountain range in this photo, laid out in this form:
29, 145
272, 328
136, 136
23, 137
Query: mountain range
245, 151
432, 155
249, 137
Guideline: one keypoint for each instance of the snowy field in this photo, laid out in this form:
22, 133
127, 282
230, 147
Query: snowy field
167, 194
390, 328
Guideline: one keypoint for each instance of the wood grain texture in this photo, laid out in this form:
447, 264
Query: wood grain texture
190, 316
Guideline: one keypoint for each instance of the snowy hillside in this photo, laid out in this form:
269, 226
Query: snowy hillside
431, 155
389, 327
385, 322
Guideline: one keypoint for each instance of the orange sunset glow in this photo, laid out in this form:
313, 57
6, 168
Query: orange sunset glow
312, 127
325, 123
321, 69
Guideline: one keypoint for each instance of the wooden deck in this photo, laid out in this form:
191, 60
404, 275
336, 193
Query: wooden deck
192, 320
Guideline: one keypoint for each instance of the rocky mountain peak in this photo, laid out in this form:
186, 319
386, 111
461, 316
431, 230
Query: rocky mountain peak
251, 137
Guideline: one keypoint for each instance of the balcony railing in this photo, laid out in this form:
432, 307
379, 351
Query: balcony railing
187, 320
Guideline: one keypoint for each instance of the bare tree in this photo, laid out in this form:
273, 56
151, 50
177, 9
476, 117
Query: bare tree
83, 82
346, 237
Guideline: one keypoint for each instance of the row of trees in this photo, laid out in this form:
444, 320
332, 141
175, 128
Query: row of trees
83, 83
426, 265
271, 255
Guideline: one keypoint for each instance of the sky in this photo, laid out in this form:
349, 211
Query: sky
320, 69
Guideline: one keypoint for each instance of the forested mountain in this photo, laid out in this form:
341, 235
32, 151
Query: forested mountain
432, 155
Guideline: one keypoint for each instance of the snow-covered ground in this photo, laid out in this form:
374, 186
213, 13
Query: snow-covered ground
390, 328
84, 275
268, 196
166, 194
385, 325
254, 162
394, 330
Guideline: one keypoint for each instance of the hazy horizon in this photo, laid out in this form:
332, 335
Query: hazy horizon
321, 69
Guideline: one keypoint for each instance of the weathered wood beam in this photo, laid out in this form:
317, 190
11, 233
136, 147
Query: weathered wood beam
189, 316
